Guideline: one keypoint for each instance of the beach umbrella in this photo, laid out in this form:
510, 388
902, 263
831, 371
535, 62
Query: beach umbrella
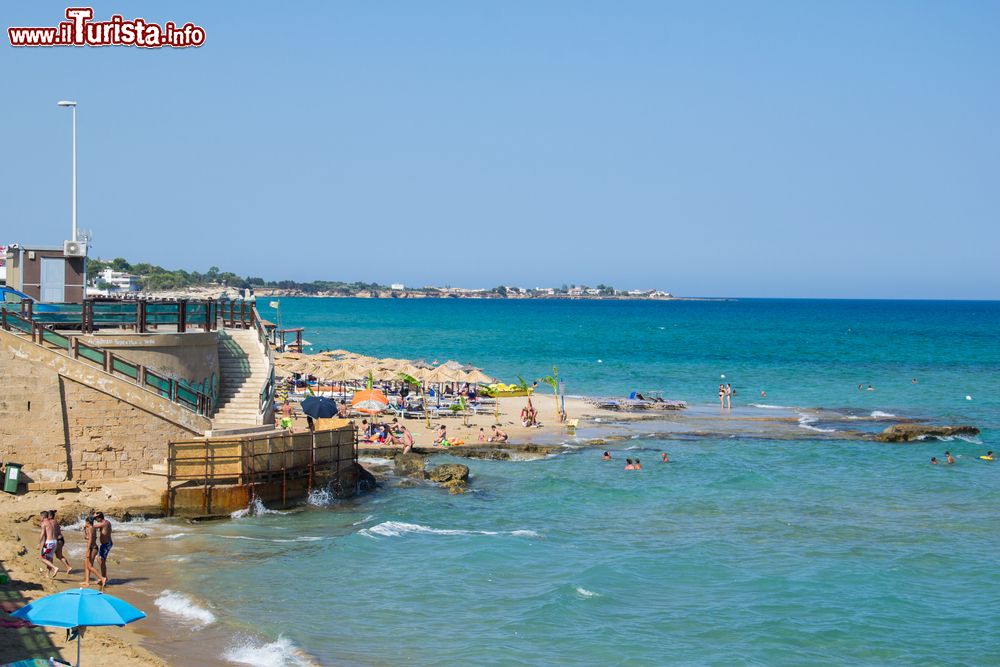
319, 407
369, 401
476, 376
79, 608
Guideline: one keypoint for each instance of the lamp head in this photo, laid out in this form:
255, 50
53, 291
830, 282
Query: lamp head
65, 103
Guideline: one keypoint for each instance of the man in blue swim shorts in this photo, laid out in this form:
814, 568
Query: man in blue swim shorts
103, 528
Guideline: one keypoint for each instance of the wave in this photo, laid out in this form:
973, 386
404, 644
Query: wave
878, 414
255, 508
182, 606
320, 497
584, 593
174, 536
279, 653
765, 406
303, 538
950, 438
398, 528
805, 421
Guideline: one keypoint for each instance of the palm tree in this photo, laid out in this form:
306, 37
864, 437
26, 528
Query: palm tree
553, 381
414, 382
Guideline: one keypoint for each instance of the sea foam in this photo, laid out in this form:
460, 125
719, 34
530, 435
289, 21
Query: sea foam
878, 414
805, 421
182, 606
584, 593
279, 653
398, 528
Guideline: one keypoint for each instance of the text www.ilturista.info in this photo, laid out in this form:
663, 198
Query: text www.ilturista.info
80, 30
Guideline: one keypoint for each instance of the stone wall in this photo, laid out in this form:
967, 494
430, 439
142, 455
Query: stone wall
61, 419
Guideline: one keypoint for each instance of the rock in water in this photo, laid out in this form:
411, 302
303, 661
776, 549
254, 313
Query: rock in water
911, 432
449, 472
410, 465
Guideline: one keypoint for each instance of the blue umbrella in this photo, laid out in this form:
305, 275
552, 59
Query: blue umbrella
77, 608
319, 407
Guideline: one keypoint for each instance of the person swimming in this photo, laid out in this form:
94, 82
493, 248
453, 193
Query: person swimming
638, 465
664, 458
606, 456
629, 465
934, 461
949, 458
988, 457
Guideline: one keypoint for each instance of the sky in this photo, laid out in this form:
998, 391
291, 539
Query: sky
757, 149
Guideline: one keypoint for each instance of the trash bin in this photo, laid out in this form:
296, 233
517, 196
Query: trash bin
13, 477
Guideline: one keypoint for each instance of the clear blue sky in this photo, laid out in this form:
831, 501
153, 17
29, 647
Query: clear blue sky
830, 149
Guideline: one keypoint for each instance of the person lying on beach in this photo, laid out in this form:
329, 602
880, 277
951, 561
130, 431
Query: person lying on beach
60, 542
949, 459
629, 465
47, 543
498, 435
664, 458
606, 456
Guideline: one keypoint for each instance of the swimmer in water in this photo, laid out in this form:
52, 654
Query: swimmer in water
934, 461
871, 388
949, 458
763, 394
664, 458
606, 456
913, 381
638, 465
628, 464
988, 457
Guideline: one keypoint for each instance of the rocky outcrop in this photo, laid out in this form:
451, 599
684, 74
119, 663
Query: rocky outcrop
911, 432
409, 465
452, 476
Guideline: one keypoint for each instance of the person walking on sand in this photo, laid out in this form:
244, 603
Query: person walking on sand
90, 551
60, 541
47, 543
103, 528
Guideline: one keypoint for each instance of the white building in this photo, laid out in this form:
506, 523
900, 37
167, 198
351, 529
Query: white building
399, 287
119, 281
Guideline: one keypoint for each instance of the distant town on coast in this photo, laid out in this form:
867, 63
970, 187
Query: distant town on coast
118, 276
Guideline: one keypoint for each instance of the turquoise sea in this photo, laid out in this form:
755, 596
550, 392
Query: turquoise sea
742, 551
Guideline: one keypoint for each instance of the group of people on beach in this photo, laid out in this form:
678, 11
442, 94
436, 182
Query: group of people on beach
389, 433
726, 393
97, 535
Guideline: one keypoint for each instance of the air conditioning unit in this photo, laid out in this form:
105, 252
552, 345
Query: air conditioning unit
74, 249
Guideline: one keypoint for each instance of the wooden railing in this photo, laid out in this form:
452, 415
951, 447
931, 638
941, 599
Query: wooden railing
260, 457
142, 376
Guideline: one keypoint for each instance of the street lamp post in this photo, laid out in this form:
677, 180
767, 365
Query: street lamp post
65, 103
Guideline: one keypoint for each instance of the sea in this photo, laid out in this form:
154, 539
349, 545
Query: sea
819, 550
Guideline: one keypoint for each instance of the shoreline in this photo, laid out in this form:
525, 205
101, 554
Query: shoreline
153, 642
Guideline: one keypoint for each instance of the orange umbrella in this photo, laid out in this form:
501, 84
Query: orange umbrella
369, 401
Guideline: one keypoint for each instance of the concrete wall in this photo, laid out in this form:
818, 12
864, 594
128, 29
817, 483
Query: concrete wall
193, 357
64, 419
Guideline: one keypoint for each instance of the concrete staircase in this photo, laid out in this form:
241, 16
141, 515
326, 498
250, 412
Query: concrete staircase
244, 368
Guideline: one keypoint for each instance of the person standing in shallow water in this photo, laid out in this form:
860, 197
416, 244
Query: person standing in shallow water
103, 528
949, 459
722, 396
729, 396
664, 458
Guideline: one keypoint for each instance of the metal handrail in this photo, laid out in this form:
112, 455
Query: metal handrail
147, 379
